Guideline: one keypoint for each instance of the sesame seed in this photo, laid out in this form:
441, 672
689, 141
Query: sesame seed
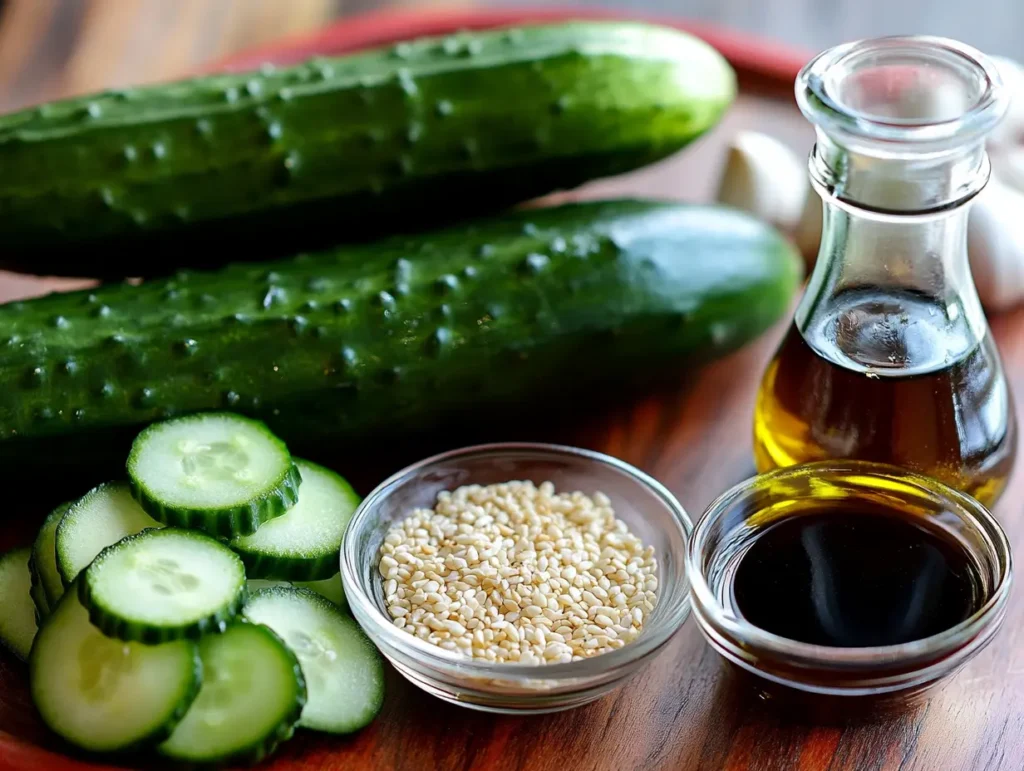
518, 573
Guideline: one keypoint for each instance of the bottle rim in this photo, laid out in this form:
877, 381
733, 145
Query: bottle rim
821, 83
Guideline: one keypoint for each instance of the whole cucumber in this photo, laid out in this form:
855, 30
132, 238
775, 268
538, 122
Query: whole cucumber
402, 334
421, 132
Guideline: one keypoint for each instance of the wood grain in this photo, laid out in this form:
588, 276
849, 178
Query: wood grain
681, 712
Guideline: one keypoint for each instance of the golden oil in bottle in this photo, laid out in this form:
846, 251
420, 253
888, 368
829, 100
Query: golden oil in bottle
890, 358
891, 379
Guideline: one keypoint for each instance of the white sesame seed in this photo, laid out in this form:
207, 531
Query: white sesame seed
518, 573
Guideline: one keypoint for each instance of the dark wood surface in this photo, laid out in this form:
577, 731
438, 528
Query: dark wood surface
678, 713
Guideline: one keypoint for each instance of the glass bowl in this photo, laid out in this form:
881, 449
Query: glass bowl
650, 511
822, 675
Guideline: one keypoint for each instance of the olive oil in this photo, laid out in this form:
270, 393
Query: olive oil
856, 574
893, 377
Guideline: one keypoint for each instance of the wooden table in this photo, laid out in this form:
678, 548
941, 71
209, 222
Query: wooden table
680, 712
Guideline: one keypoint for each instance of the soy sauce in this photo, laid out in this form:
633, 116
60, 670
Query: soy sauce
856, 577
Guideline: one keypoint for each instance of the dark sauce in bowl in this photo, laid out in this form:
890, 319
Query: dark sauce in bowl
856, 576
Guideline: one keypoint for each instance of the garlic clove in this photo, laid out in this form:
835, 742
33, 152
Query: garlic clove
807, 233
764, 177
995, 244
1010, 130
1008, 165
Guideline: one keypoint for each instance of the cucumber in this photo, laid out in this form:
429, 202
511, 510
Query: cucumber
17, 611
163, 585
330, 588
104, 695
47, 586
395, 137
529, 311
101, 517
305, 543
217, 472
343, 670
252, 695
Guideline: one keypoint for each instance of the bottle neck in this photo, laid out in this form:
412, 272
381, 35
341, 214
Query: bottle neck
872, 176
891, 292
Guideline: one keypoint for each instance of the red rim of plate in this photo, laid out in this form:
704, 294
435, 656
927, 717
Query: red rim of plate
773, 64
777, 64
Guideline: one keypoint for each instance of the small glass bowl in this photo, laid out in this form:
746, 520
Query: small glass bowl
891, 675
650, 511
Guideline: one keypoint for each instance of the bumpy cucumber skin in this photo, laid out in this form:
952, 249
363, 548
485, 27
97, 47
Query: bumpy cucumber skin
167, 727
226, 521
44, 598
288, 567
405, 334
111, 624
266, 746
424, 131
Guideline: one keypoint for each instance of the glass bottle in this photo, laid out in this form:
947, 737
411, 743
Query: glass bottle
890, 358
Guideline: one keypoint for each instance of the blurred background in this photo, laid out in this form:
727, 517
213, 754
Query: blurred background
50, 48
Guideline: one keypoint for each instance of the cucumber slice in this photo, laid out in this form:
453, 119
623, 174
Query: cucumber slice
40, 605
103, 516
330, 588
161, 585
344, 672
47, 586
17, 613
215, 471
303, 544
103, 694
252, 695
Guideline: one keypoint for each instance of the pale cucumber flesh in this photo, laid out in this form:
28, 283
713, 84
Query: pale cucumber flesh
343, 670
102, 517
17, 611
44, 556
162, 584
103, 694
304, 543
207, 461
330, 588
251, 698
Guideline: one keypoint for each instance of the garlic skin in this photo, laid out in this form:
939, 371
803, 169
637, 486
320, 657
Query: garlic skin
1009, 165
807, 233
995, 245
764, 177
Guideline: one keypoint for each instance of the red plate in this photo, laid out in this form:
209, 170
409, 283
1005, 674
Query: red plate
753, 58
758, 64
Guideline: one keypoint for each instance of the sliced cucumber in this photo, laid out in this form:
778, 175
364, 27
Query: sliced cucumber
330, 588
161, 585
103, 516
303, 544
47, 586
40, 605
252, 695
103, 694
214, 471
17, 612
344, 672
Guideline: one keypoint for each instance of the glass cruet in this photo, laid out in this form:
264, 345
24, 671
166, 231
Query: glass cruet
889, 357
